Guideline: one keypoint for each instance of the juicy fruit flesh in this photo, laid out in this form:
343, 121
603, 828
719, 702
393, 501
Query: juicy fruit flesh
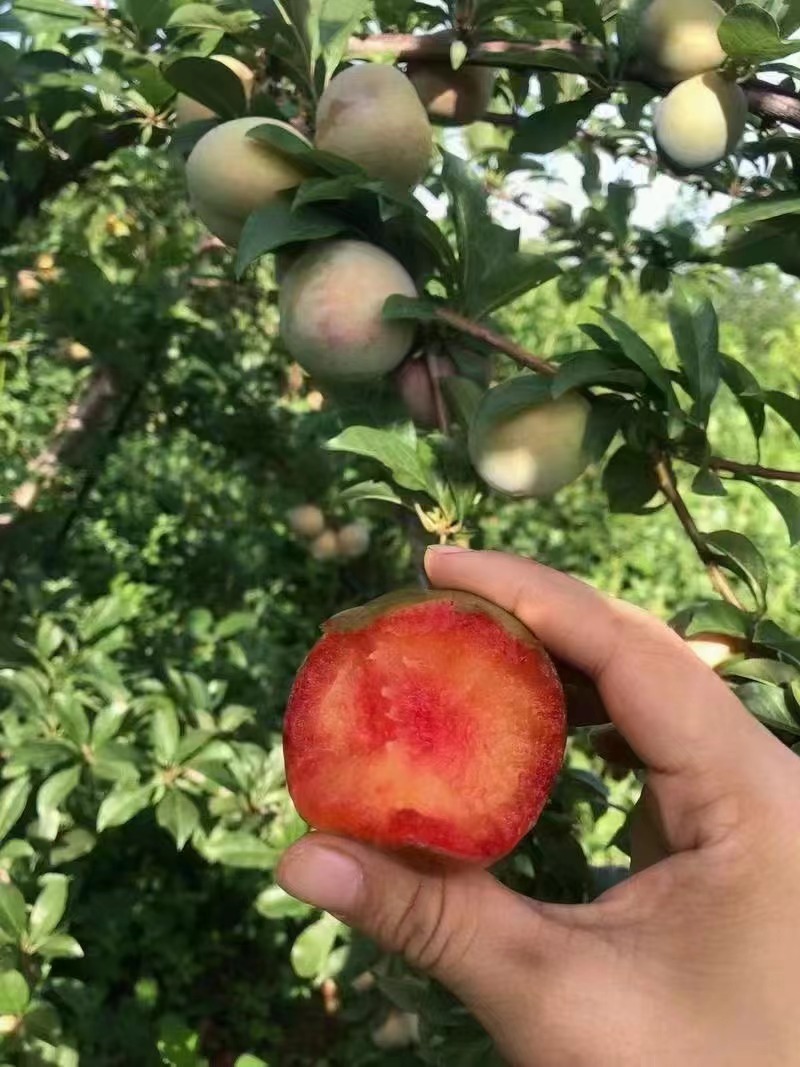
432, 727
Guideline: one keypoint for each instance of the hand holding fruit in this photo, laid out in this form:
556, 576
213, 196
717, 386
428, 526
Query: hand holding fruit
688, 962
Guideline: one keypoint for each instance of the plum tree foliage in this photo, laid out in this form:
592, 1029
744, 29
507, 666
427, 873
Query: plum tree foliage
355, 159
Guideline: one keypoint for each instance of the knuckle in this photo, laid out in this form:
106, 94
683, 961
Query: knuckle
432, 930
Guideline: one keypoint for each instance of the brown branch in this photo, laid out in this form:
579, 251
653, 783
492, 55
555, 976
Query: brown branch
763, 99
82, 417
669, 487
496, 340
754, 469
436, 390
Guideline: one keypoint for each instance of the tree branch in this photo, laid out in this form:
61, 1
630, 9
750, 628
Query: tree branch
82, 417
496, 340
754, 469
763, 99
669, 487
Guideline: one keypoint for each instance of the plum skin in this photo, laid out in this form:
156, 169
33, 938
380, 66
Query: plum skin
453, 753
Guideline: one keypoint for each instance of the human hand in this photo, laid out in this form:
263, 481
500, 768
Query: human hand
689, 963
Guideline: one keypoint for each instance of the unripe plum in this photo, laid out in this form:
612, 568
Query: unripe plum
325, 547
188, 110
371, 115
230, 174
680, 36
453, 96
306, 520
413, 378
531, 451
429, 720
28, 285
353, 540
715, 650
331, 305
700, 121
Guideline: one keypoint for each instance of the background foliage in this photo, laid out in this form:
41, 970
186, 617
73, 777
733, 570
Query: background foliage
155, 604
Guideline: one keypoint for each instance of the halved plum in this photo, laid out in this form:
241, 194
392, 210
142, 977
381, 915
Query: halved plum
432, 721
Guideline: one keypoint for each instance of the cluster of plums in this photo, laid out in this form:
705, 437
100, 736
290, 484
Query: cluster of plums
702, 118
325, 543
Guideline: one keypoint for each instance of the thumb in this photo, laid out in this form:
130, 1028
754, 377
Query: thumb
453, 921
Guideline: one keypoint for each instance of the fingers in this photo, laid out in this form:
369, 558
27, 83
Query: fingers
454, 922
674, 712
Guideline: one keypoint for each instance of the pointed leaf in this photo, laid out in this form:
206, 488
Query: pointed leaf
13, 914
14, 993
12, 804
48, 909
696, 332
178, 815
122, 804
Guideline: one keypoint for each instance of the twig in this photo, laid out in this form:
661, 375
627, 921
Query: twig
81, 417
669, 487
436, 389
497, 340
754, 469
763, 99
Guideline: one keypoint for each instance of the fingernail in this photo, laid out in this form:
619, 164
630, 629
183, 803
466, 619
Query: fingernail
444, 550
324, 877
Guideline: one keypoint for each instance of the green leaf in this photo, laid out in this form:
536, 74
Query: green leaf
596, 367
608, 416
338, 20
770, 635
72, 717
787, 503
178, 815
516, 276
54, 792
748, 32
767, 207
400, 450
312, 947
14, 993
747, 392
553, 127
630, 481
122, 804
12, 804
237, 622
381, 491
790, 22
209, 83
274, 903
61, 9
639, 352
696, 333
278, 224
209, 17
237, 848
73, 845
621, 200
743, 558
13, 915
769, 705
586, 13
60, 947
165, 732
49, 638
409, 307
716, 617
48, 909
248, 1060
788, 407
762, 670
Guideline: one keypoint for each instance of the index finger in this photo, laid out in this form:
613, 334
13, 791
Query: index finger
674, 712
